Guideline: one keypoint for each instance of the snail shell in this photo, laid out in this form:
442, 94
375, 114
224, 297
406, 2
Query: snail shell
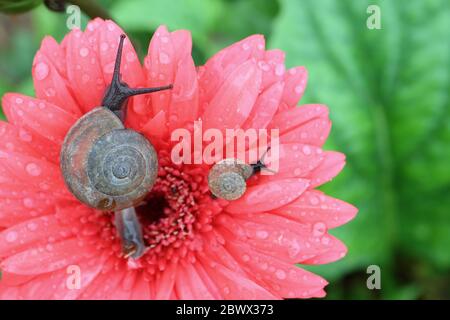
227, 178
105, 165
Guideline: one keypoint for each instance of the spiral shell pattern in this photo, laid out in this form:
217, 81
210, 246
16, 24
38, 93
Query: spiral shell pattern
227, 179
105, 165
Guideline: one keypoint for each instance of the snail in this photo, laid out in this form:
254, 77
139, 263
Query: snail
107, 166
227, 179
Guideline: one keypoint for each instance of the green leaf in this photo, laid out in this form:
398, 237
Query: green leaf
197, 16
388, 93
18, 6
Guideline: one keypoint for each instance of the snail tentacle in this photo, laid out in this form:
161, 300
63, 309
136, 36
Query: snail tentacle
118, 92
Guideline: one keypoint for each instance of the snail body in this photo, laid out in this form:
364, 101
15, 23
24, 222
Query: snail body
227, 179
105, 165
129, 230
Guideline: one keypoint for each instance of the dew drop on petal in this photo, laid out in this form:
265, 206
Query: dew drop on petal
325, 241
28, 203
245, 258
279, 69
130, 56
109, 68
298, 89
104, 46
25, 136
262, 234
164, 58
314, 200
50, 92
41, 71
110, 26
319, 229
33, 169
32, 226
84, 52
11, 236
280, 274
85, 78
306, 150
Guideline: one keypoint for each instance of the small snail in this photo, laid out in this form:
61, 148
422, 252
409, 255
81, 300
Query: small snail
107, 166
227, 179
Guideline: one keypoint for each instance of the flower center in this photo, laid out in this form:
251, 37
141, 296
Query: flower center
174, 215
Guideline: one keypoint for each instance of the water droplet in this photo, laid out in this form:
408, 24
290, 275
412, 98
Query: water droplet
109, 68
130, 56
11, 236
260, 46
25, 136
319, 229
104, 46
306, 150
279, 69
314, 201
41, 71
245, 258
325, 241
280, 274
164, 39
164, 58
262, 234
245, 46
84, 52
19, 100
28, 203
226, 290
263, 66
32, 226
50, 92
298, 89
33, 169
85, 78
110, 26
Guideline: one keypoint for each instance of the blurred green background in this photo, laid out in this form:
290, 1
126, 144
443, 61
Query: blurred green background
388, 92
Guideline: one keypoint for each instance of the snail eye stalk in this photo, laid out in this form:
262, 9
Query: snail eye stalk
260, 165
118, 92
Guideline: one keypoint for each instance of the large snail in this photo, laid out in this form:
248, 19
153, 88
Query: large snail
109, 167
227, 179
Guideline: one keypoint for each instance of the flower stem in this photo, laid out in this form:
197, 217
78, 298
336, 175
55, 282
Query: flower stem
91, 8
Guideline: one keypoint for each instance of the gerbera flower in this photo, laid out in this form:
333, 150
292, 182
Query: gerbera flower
199, 247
